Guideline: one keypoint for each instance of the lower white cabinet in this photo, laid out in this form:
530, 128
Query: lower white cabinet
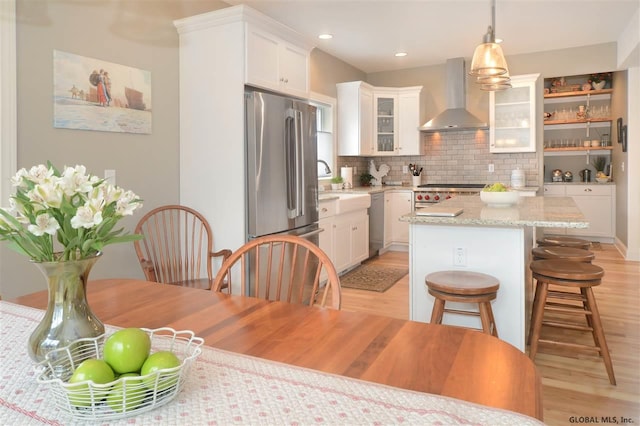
396, 204
597, 203
345, 237
351, 239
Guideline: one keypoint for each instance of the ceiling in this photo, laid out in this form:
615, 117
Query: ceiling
367, 33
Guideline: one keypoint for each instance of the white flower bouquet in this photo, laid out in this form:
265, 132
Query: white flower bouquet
78, 209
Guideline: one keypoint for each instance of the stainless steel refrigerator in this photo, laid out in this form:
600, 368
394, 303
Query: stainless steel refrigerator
282, 174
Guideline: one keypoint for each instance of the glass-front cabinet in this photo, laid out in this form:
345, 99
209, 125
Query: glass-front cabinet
386, 122
513, 115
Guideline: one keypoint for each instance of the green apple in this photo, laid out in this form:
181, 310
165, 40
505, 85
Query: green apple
496, 187
95, 370
160, 361
127, 395
127, 349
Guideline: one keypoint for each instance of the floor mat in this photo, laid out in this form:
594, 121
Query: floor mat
372, 277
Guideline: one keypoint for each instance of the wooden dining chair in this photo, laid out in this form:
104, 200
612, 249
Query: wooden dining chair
177, 247
284, 268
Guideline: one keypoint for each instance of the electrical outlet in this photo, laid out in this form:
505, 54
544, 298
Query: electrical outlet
405, 169
459, 256
491, 168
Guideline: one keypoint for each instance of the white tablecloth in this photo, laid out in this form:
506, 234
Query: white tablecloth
226, 388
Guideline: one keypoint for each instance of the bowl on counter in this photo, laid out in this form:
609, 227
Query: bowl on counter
500, 199
602, 179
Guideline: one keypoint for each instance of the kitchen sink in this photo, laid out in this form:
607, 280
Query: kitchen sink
351, 202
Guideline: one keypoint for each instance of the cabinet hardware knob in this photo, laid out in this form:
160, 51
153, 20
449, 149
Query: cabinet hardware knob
324, 209
588, 190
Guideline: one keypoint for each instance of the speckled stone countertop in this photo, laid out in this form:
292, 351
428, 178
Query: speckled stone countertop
556, 212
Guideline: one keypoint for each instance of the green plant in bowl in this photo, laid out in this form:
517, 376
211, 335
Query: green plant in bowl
337, 179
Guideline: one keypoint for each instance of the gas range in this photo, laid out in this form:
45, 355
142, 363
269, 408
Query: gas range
435, 192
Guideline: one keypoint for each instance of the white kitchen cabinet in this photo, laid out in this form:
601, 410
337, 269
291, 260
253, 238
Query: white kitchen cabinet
326, 240
276, 64
213, 73
514, 115
351, 239
409, 141
597, 203
385, 107
396, 204
355, 118
326, 215
390, 129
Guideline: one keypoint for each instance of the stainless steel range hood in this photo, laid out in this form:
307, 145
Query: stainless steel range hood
455, 117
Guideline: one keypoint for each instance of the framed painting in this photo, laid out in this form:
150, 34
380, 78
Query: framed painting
92, 94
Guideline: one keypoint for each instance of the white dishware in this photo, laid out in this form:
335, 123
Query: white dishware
500, 199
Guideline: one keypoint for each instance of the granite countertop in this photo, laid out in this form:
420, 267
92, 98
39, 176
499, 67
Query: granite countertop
556, 212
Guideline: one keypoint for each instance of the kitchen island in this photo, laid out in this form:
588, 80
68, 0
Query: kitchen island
492, 240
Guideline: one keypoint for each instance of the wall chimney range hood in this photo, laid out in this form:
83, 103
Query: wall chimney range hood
455, 117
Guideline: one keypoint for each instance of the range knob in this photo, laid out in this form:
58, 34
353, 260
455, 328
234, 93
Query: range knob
436, 197
426, 197
448, 196
419, 197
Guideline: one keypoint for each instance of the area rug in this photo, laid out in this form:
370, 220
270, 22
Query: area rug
372, 277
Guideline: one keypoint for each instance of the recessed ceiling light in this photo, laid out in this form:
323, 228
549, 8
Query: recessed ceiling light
401, 54
325, 36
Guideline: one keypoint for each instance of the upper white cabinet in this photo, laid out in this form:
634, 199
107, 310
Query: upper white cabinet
276, 64
514, 115
220, 53
387, 126
355, 118
409, 114
385, 106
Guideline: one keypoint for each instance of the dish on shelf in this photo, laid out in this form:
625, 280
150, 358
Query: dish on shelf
602, 179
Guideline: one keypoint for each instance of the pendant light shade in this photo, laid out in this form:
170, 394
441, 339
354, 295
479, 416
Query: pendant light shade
488, 60
488, 63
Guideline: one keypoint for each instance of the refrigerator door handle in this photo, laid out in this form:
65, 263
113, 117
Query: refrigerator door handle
291, 164
309, 234
294, 172
300, 184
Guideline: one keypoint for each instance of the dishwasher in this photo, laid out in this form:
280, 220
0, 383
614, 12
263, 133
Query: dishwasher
376, 224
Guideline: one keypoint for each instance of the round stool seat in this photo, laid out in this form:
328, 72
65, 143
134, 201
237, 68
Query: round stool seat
463, 283
562, 253
564, 242
570, 271
464, 287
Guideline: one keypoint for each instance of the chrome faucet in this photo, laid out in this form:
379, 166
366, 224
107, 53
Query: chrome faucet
327, 169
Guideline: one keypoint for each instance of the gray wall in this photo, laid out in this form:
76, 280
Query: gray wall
145, 164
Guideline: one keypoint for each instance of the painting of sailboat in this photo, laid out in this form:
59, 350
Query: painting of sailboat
92, 94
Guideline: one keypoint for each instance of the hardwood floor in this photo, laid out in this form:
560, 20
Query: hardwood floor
575, 386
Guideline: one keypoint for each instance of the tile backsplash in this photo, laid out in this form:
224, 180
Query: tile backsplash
453, 157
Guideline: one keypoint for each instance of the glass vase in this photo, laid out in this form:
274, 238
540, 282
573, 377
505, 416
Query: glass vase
68, 316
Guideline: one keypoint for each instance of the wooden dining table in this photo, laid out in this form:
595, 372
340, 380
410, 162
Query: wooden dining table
437, 359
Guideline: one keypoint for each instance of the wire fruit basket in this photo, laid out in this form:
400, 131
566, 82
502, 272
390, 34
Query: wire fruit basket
126, 396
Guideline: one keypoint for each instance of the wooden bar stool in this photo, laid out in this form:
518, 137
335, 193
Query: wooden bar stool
562, 253
564, 242
464, 287
559, 253
579, 275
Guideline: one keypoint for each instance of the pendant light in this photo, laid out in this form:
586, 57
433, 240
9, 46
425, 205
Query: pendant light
488, 64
